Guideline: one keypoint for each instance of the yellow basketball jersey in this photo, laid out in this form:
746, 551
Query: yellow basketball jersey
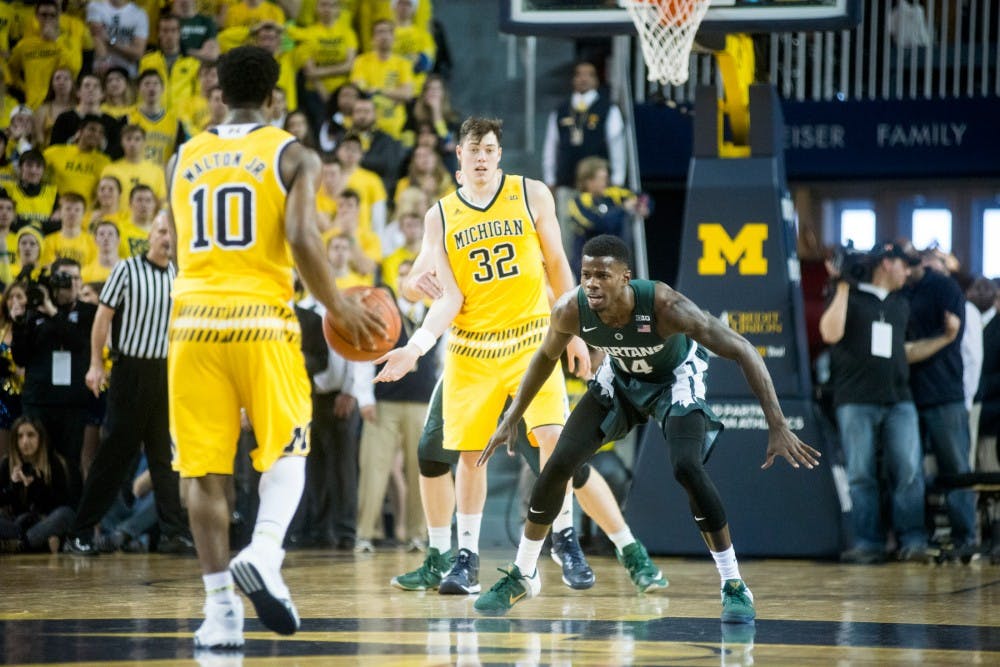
228, 203
161, 134
496, 256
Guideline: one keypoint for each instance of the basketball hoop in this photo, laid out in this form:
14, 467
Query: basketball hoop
666, 32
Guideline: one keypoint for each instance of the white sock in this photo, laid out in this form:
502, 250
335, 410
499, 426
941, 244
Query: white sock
564, 519
725, 562
280, 490
622, 538
219, 588
439, 538
527, 555
468, 531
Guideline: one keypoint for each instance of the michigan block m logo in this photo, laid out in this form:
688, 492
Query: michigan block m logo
719, 250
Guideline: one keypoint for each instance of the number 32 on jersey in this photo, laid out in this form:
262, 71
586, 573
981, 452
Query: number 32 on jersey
496, 262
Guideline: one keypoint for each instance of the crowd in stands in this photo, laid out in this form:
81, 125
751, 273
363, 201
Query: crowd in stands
95, 97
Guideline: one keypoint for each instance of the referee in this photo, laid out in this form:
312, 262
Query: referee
135, 306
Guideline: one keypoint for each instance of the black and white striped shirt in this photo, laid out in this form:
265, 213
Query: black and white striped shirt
139, 293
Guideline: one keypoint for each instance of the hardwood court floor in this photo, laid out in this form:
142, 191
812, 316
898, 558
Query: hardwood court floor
139, 609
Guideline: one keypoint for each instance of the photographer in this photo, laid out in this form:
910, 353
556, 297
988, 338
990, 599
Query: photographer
52, 343
866, 323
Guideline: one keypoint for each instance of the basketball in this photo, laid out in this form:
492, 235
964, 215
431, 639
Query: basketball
381, 303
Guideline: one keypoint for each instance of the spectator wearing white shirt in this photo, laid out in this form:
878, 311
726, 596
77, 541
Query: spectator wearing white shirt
120, 30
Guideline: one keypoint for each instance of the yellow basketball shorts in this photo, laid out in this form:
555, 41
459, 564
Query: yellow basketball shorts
475, 391
234, 363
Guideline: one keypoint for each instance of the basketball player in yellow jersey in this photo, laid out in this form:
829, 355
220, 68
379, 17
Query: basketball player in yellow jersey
486, 253
241, 198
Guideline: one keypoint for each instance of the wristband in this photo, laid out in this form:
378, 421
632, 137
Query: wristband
423, 340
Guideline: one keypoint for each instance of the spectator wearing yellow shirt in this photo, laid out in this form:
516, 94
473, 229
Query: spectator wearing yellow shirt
427, 172
388, 78
71, 27
367, 184
331, 183
179, 72
411, 224
77, 167
197, 112
267, 35
414, 42
340, 249
107, 239
35, 59
134, 168
7, 101
217, 109
164, 132
71, 241
107, 203
8, 177
251, 12
33, 199
325, 55
7, 18
8, 241
29, 253
367, 245
135, 232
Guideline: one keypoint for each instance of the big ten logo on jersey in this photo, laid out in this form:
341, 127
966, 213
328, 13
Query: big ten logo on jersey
745, 251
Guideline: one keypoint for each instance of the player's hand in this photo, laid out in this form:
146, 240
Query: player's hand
95, 379
362, 327
506, 434
578, 357
398, 362
368, 413
427, 283
782, 442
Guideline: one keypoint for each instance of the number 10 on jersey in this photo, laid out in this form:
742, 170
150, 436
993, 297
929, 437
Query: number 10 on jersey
223, 217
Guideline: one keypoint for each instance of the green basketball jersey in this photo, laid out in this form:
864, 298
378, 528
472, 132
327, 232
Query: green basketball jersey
636, 349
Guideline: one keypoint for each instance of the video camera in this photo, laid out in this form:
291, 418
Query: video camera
50, 281
855, 266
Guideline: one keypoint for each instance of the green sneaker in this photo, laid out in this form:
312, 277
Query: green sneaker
511, 589
644, 574
428, 575
737, 602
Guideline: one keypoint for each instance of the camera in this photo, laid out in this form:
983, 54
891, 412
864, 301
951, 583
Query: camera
28, 470
853, 265
51, 281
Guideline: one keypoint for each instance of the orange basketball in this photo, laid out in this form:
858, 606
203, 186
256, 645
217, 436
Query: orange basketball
375, 300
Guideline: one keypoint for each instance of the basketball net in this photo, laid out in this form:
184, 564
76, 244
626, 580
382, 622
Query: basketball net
666, 31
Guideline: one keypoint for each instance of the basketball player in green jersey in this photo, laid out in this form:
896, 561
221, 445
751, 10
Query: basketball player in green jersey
656, 343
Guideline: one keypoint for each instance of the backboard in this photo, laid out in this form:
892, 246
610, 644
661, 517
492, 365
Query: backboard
605, 17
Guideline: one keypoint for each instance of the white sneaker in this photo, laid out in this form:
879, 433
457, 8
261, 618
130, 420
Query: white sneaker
364, 547
222, 628
265, 588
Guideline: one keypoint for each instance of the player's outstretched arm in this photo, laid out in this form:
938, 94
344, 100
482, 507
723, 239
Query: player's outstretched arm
562, 329
675, 313
402, 360
300, 167
556, 265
